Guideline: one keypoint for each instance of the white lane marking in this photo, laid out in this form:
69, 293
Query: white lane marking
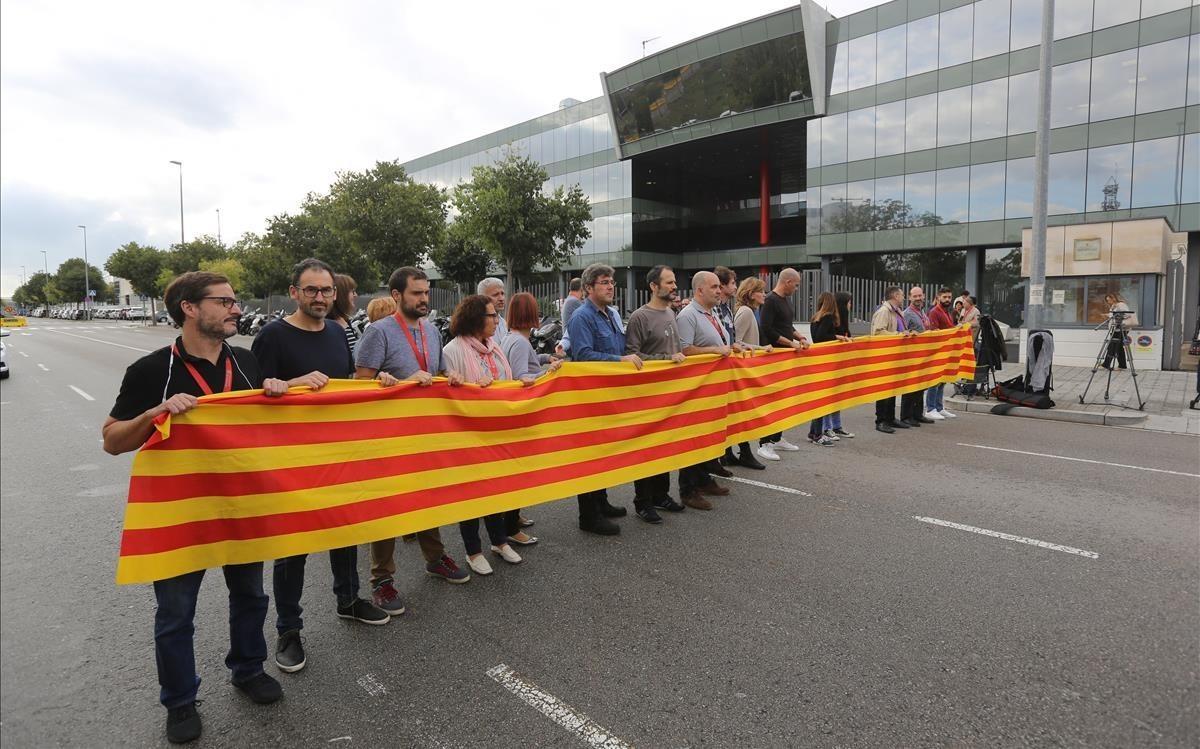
1081, 460
752, 482
1009, 537
22, 353
373, 686
110, 343
82, 394
584, 728
43, 366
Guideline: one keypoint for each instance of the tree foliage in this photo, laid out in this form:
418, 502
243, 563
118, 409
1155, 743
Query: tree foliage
266, 268
187, 256
505, 210
229, 267
69, 281
461, 259
141, 264
34, 291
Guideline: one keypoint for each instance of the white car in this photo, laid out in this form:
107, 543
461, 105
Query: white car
3, 357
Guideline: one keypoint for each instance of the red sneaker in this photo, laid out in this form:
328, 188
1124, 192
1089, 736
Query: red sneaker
446, 569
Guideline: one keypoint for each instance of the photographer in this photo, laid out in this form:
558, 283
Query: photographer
1124, 320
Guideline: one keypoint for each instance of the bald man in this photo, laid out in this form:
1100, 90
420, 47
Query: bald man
912, 405
776, 329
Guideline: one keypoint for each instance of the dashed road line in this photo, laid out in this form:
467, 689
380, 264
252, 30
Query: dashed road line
584, 728
752, 482
372, 685
82, 394
43, 367
22, 353
1009, 537
1080, 460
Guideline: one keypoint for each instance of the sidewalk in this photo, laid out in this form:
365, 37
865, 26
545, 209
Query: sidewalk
1166, 395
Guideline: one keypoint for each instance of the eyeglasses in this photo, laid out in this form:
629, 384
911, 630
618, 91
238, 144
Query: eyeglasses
227, 302
609, 282
310, 292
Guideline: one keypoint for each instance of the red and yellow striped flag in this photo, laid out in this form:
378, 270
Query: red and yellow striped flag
243, 478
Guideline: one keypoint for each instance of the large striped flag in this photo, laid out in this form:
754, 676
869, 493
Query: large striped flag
244, 478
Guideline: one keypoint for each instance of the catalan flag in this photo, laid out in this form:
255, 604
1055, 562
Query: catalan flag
243, 478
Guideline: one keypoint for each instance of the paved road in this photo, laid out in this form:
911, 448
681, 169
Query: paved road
831, 617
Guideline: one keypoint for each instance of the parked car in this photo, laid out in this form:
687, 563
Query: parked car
3, 356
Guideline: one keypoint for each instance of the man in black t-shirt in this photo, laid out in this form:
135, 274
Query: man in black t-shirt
777, 328
305, 343
170, 380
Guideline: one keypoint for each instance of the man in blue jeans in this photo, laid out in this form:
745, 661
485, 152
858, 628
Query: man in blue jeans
596, 335
170, 380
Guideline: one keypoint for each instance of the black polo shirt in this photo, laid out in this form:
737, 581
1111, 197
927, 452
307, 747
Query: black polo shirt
145, 379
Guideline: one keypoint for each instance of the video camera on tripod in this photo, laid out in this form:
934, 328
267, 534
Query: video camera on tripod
1115, 346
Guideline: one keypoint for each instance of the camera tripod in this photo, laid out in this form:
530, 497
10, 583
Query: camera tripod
1116, 331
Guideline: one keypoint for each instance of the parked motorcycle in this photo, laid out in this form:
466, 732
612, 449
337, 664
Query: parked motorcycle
545, 339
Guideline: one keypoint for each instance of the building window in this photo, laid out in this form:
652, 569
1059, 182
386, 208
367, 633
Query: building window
1083, 304
1002, 290
955, 36
1113, 13
920, 123
1018, 188
953, 194
1108, 178
862, 62
1026, 24
954, 116
889, 128
991, 28
840, 77
1072, 18
890, 52
833, 139
860, 142
1071, 90
1156, 7
1114, 82
987, 191
1022, 106
1067, 178
1155, 172
989, 109
922, 45
1190, 186
1162, 76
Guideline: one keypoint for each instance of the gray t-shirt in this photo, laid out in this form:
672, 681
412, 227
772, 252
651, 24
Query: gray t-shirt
913, 320
699, 328
651, 334
521, 356
385, 347
570, 304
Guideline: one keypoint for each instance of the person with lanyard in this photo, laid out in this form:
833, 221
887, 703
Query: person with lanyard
778, 328
597, 336
941, 317
912, 405
170, 381
474, 352
307, 344
651, 335
700, 332
751, 293
888, 320
405, 346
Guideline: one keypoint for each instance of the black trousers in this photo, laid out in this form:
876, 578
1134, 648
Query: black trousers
650, 489
1116, 349
912, 405
693, 477
771, 438
885, 410
589, 503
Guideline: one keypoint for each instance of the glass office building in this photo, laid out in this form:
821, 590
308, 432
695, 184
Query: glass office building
893, 143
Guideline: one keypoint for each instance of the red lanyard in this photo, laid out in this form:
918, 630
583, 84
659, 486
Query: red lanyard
200, 380
490, 358
419, 353
717, 327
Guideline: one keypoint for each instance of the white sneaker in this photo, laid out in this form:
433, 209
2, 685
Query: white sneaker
829, 433
479, 564
785, 445
823, 441
507, 554
935, 415
948, 414
767, 452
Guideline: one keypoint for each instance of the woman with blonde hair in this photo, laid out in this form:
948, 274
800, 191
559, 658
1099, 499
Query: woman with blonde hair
750, 295
474, 352
825, 326
380, 307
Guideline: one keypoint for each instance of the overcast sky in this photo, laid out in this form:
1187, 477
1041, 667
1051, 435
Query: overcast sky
263, 102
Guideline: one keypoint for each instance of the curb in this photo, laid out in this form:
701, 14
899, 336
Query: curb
1113, 417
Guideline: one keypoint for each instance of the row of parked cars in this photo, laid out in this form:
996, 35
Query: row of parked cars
96, 313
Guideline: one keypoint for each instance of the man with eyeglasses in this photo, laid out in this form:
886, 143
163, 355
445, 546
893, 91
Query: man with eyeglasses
597, 336
306, 348
169, 381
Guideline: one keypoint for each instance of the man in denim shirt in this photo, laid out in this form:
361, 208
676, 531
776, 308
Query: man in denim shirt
596, 335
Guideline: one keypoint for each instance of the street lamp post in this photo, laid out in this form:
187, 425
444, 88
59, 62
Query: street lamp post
45, 263
87, 283
1041, 174
180, 165
218, 226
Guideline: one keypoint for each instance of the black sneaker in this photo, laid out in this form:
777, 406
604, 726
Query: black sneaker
649, 515
183, 724
289, 652
611, 511
363, 611
668, 503
261, 688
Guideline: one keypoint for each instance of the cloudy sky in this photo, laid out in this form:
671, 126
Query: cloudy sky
263, 102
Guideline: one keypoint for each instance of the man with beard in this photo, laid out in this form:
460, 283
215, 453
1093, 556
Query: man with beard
597, 336
941, 317
912, 405
405, 346
651, 335
169, 381
493, 289
306, 344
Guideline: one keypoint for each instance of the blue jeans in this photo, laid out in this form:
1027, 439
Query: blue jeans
935, 399
288, 582
832, 421
497, 531
174, 627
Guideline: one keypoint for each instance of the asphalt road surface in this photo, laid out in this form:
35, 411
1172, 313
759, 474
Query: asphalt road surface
831, 607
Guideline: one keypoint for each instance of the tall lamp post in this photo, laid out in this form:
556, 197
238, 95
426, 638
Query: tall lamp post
218, 226
87, 283
180, 165
1041, 174
45, 263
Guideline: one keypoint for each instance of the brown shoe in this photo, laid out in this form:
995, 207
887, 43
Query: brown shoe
695, 501
714, 489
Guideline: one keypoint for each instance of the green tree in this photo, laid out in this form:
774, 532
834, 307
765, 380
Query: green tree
266, 267
504, 209
141, 264
231, 269
187, 256
69, 281
460, 258
34, 291
382, 215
